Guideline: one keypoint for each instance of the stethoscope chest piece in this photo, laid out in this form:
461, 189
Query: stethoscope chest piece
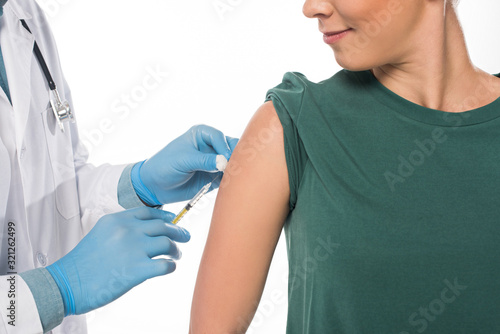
61, 109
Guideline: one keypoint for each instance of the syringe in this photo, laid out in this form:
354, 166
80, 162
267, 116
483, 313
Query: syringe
193, 201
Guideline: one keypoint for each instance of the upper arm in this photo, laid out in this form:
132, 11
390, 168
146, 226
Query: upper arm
249, 213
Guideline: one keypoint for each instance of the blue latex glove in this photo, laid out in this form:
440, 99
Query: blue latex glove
179, 170
115, 256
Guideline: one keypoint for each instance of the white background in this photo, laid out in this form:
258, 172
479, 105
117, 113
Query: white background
219, 65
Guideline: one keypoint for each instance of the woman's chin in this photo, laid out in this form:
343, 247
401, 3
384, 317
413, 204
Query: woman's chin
352, 62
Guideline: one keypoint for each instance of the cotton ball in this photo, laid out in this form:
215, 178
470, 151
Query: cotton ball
221, 163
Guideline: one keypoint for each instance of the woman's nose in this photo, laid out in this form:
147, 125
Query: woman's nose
317, 8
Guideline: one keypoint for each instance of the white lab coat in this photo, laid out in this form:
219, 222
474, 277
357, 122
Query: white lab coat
47, 189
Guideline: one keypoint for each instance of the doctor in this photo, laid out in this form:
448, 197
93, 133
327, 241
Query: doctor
54, 262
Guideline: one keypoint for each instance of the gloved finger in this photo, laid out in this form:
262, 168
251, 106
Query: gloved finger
232, 142
162, 246
160, 267
216, 139
147, 213
198, 161
156, 228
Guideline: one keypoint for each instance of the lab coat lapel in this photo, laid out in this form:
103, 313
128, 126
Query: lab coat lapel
17, 48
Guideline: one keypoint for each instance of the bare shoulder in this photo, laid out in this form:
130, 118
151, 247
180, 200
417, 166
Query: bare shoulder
264, 123
261, 147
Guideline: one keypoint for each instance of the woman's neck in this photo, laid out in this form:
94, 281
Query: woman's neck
436, 71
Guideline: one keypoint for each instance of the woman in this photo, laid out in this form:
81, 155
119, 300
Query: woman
384, 176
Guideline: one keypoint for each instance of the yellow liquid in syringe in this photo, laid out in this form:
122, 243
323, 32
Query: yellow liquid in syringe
179, 216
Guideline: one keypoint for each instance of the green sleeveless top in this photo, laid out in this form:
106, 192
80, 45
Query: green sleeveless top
395, 210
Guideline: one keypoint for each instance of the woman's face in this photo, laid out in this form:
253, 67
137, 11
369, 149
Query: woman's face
379, 31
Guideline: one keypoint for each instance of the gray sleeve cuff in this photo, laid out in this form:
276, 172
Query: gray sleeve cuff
47, 297
127, 197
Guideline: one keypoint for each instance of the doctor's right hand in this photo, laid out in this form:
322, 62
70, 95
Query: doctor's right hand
115, 256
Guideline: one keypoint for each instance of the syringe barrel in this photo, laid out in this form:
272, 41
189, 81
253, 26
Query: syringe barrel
199, 195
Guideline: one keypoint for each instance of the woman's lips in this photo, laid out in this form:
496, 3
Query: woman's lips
332, 37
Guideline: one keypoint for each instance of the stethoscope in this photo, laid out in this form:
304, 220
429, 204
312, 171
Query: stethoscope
61, 109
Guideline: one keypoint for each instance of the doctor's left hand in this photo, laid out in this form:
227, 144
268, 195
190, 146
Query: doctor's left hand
183, 167
119, 253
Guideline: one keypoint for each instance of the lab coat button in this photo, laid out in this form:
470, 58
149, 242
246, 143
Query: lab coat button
42, 259
23, 150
